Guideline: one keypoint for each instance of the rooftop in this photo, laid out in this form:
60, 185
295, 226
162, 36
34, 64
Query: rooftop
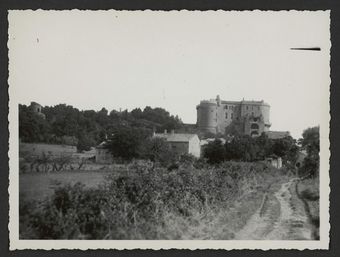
277, 134
250, 102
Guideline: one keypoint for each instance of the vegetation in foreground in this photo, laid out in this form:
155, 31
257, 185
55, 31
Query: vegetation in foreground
144, 202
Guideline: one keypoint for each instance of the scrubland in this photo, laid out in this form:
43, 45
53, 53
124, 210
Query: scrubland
308, 190
143, 201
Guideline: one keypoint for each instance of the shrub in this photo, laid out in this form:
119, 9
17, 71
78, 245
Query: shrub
157, 150
311, 142
214, 152
137, 202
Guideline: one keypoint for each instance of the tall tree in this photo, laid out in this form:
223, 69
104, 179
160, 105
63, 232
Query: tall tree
311, 142
214, 152
127, 142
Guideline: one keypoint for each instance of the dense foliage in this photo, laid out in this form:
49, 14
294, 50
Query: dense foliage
215, 152
311, 142
68, 125
249, 149
144, 202
128, 143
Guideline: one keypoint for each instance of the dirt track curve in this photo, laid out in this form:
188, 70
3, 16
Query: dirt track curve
281, 217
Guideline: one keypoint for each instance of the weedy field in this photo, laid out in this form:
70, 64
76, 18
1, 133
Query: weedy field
309, 192
142, 201
37, 186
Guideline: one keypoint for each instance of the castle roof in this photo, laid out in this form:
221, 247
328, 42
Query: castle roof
245, 102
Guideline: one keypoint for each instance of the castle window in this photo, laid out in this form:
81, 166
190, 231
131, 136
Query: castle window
226, 115
232, 116
226, 107
247, 107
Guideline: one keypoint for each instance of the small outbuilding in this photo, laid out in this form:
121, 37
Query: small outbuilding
274, 161
103, 155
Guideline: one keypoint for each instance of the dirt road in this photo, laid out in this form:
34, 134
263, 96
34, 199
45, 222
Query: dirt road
281, 217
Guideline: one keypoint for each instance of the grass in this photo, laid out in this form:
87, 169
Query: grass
309, 191
37, 186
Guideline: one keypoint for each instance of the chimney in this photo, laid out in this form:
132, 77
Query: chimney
218, 100
165, 131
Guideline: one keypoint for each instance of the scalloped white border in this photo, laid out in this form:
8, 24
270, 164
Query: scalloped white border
13, 226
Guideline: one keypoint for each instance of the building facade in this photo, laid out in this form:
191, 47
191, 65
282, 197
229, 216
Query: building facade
182, 143
102, 154
233, 117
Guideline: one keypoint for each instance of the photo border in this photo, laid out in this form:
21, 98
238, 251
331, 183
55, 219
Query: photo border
334, 94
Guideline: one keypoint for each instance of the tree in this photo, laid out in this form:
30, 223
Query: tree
157, 150
215, 152
284, 146
311, 139
127, 142
85, 142
32, 127
311, 142
243, 148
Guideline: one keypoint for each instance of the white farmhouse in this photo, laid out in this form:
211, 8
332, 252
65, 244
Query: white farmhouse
182, 143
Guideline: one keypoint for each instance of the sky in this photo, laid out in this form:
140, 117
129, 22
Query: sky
173, 60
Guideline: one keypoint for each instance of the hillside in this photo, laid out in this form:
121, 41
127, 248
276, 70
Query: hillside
65, 124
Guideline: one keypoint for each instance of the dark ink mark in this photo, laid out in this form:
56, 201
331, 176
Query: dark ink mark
307, 48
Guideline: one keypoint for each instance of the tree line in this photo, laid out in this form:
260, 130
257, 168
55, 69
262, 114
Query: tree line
65, 124
250, 149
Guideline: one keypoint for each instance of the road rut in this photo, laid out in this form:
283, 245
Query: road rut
279, 218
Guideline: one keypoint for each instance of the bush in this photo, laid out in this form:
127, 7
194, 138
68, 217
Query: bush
214, 152
311, 142
137, 202
73, 212
157, 150
128, 143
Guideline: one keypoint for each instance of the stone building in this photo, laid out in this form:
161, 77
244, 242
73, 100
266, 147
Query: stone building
233, 117
182, 143
36, 108
274, 161
103, 155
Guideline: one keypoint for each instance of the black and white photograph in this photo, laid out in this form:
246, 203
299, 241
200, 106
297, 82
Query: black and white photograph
160, 130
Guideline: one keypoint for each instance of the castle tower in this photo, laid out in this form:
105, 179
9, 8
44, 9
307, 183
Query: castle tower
207, 116
36, 108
